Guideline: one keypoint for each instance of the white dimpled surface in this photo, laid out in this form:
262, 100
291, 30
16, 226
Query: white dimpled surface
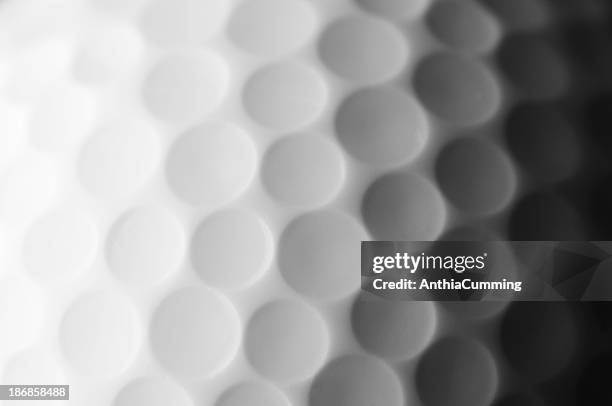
252, 393
60, 244
177, 22
363, 49
183, 86
272, 27
100, 333
62, 117
36, 366
13, 120
185, 185
284, 96
213, 249
194, 332
211, 164
152, 391
303, 170
145, 245
108, 53
318, 255
29, 188
274, 333
19, 293
118, 160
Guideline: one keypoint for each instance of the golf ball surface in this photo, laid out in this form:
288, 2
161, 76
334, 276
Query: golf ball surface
184, 186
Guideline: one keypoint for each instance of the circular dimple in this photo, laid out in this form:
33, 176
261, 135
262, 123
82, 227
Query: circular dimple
60, 244
183, 87
303, 170
319, 252
463, 24
272, 27
363, 49
286, 341
194, 332
215, 243
393, 330
543, 142
403, 207
211, 164
21, 308
100, 334
108, 54
253, 394
534, 66
284, 96
118, 160
356, 380
151, 391
382, 126
476, 176
457, 89
61, 118
145, 245
181, 22
464, 368
394, 9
